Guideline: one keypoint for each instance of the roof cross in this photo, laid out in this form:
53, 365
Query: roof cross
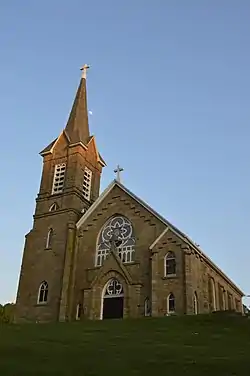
117, 171
84, 71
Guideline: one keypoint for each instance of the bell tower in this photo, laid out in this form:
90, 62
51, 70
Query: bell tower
70, 183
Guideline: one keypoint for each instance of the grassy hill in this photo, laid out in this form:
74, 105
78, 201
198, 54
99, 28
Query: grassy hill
201, 345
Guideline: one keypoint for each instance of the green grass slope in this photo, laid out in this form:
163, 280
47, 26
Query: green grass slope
201, 345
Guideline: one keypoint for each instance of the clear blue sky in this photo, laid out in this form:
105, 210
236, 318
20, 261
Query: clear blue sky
169, 88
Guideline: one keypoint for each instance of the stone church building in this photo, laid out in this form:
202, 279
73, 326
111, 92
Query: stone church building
108, 255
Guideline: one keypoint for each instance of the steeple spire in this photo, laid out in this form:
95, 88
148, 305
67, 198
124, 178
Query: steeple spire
77, 128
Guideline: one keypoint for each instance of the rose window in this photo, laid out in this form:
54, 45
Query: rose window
117, 232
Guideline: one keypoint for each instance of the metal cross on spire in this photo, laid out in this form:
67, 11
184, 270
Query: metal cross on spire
84, 71
117, 171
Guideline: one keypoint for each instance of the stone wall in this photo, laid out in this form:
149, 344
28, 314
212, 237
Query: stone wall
203, 275
146, 229
54, 264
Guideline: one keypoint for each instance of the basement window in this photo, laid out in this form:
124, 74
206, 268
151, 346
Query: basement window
59, 176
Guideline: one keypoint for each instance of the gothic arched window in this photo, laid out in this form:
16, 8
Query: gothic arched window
169, 264
196, 310
212, 294
53, 207
78, 311
229, 299
224, 297
43, 293
146, 307
117, 233
49, 238
171, 303
221, 296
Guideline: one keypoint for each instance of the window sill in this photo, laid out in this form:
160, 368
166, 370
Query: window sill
41, 304
170, 276
94, 268
171, 313
131, 263
123, 263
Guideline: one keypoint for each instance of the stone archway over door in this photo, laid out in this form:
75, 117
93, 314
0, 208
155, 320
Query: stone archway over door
113, 300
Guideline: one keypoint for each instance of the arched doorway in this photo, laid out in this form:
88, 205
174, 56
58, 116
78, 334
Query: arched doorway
112, 307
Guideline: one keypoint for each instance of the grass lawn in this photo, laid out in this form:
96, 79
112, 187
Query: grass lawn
201, 345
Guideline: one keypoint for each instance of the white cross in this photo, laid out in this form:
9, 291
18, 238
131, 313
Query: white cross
84, 71
117, 172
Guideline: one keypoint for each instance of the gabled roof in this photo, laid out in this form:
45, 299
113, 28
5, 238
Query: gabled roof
102, 160
108, 264
98, 156
48, 148
51, 146
173, 228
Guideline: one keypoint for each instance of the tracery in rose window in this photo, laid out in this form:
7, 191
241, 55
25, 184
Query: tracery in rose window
119, 231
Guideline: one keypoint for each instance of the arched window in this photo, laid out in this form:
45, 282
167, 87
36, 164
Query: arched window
196, 310
116, 234
146, 307
224, 305
221, 297
230, 302
78, 311
113, 300
169, 264
171, 303
43, 293
212, 295
49, 238
238, 305
53, 207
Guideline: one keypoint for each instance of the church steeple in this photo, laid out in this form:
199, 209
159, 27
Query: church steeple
70, 183
77, 128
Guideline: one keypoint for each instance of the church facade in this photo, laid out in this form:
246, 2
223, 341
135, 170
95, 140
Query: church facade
108, 255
